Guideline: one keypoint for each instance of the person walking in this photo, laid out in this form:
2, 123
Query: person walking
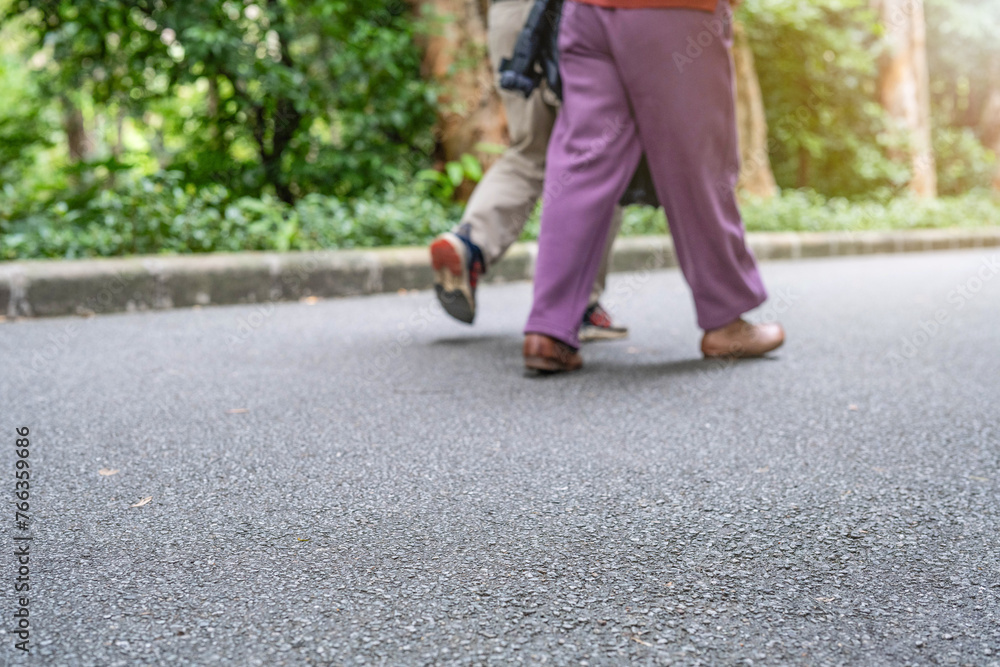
653, 77
504, 200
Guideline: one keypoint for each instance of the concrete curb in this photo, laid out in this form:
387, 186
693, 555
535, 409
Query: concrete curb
55, 287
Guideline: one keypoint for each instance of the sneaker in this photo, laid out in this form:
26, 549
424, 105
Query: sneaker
597, 325
457, 264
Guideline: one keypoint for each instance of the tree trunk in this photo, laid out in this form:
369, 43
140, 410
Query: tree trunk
470, 111
989, 130
77, 139
119, 148
756, 176
989, 120
284, 122
904, 87
804, 172
283, 125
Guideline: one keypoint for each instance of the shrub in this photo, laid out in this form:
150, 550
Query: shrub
161, 215
963, 163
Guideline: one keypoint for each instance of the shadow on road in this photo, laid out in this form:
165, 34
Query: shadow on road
623, 366
469, 341
599, 360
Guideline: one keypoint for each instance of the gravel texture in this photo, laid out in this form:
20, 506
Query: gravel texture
364, 481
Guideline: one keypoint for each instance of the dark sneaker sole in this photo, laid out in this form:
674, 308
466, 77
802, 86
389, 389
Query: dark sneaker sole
451, 279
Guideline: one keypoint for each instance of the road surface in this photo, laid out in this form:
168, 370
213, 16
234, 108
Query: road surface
364, 481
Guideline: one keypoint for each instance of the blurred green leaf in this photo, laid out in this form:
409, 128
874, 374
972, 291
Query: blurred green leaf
472, 168
456, 173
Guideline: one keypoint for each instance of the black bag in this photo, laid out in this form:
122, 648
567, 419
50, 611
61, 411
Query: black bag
536, 56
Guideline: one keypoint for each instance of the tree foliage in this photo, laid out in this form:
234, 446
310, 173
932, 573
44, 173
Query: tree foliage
964, 64
964, 58
817, 64
160, 126
289, 95
818, 76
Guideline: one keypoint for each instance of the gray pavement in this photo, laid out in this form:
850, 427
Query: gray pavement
363, 481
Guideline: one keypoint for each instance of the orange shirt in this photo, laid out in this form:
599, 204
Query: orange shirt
704, 5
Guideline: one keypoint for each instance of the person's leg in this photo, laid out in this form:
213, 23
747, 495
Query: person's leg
506, 197
592, 155
597, 324
684, 109
602, 272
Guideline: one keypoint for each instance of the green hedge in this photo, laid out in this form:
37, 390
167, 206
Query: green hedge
807, 211
158, 215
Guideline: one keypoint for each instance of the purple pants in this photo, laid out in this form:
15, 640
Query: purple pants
658, 81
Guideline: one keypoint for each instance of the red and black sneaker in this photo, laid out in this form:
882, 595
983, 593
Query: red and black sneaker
597, 325
457, 264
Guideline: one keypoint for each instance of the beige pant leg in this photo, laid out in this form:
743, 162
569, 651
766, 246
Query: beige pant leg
506, 197
504, 200
602, 273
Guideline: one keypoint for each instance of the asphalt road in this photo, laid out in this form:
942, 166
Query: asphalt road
363, 481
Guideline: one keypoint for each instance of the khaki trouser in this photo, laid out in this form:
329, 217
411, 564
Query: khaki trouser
505, 198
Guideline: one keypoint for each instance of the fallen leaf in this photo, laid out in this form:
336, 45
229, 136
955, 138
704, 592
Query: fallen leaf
310, 300
237, 411
304, 539
142, 502
107, 472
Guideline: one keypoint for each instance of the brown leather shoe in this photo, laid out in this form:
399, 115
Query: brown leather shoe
741, 339
542, 353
